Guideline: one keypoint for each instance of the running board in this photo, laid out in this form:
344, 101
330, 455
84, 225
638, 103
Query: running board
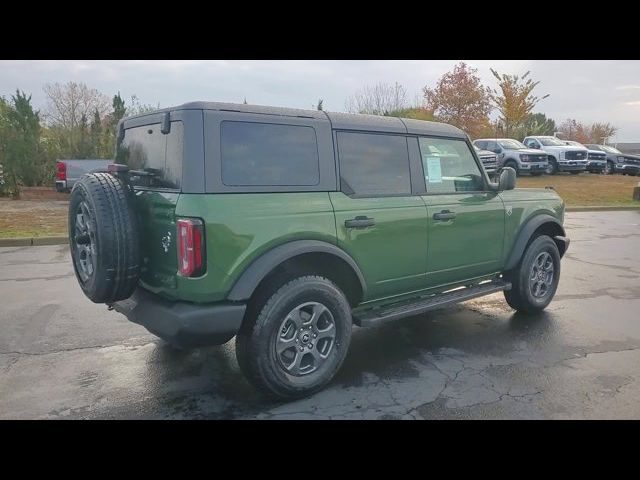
385, 314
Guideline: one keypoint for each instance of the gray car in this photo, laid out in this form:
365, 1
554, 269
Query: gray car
512, 153
70, 171
617, 161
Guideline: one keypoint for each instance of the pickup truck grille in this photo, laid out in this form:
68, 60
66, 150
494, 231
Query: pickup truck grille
597, 156
575, 155
489, 160
535, 158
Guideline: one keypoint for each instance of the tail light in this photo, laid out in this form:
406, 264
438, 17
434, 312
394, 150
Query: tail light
191, 247
61, 171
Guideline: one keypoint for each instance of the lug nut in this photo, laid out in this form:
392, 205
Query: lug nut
315, 335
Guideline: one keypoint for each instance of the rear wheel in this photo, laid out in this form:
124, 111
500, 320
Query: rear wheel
294, 340
535, 280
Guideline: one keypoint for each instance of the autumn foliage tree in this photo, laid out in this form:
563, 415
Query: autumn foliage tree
514, 99
597, 132
460, 99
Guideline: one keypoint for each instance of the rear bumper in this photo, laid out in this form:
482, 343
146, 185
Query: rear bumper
61, 185
183, 323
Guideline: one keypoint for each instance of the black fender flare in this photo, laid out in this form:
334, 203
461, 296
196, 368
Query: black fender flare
524, 235
249, 280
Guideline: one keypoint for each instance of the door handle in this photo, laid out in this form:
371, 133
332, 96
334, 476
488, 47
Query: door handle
360, 222
444, 215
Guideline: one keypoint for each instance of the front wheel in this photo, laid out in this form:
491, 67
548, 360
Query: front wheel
535, 280
609, 169
552, 167
293, 342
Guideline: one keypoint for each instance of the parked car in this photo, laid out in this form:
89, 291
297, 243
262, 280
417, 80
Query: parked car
284, 227
617, 161
562, 157
489, 160
512, 153
69, 171
596, 160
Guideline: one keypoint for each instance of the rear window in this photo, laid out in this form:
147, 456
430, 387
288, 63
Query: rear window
157, 157
266, 154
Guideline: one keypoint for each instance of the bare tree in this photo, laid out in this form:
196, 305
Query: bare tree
379, 99
66, 104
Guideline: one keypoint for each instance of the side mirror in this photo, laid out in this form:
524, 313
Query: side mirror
507, 179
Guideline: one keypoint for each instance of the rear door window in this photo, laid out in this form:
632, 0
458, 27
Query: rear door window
374, 164
268, 154
154, 159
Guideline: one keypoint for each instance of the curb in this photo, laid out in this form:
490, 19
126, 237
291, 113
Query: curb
34, 241
602, 209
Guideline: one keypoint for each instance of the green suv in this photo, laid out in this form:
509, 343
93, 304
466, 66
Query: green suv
285, 227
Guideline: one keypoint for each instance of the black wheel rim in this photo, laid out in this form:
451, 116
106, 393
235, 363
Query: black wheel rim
305, 339
542, 275
83, 242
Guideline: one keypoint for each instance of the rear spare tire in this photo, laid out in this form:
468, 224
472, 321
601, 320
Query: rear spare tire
103, 238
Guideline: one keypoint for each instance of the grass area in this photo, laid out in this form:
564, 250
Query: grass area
20, 218
587, 189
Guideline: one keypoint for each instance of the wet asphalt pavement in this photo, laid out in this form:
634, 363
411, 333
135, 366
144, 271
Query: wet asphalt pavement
62, 356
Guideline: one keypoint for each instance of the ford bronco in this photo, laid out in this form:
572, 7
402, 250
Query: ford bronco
285, 227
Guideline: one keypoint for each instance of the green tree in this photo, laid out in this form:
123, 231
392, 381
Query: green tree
23, 162
4, 131
119, 110
514, 99
96, 134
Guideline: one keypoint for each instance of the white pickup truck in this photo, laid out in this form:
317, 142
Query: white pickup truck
562, 157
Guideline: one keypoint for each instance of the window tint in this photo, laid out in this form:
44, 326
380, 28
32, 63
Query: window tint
374, 164
147, 150
449, 166
268, 154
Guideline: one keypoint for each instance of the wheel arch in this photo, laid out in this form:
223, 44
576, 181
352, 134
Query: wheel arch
540, 224
302, 255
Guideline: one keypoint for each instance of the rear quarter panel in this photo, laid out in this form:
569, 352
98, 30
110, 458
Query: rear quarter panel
241, 227
524, 204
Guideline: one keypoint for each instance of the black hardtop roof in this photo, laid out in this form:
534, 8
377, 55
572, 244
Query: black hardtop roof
339, 120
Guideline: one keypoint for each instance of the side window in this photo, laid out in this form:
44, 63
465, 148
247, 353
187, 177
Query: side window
374, 164
481, 144
268, 154
159, 156
532, 143
449, 166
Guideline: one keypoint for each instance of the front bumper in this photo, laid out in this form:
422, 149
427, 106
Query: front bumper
599, 166
534, 167
183, 323
627, 168
569, 165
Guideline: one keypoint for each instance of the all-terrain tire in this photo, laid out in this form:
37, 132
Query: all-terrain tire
266, 324
522, 296
104, 238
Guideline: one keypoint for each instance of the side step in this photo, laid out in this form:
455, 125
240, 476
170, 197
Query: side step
385, 314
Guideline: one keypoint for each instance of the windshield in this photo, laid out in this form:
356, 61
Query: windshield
606, 148
551, 142
575, 144
511, 144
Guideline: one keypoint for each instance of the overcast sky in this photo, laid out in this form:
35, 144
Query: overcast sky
588, 91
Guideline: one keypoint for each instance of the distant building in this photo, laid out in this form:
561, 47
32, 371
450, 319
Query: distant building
627, 147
